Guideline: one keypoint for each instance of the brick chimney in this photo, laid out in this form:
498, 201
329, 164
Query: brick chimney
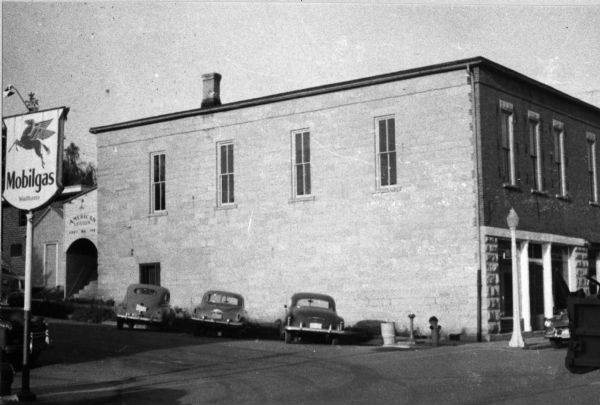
211, 90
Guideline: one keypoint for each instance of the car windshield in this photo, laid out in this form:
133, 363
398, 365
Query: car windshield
313, 302
217, 298
144, 291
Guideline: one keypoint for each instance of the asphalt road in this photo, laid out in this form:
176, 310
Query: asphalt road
97, 364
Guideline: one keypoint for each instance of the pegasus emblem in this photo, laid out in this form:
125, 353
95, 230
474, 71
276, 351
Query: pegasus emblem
32, 137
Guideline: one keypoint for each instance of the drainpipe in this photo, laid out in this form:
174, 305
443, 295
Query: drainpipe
475, 122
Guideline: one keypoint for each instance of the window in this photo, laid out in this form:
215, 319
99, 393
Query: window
22, 217
559, 156
225, 176
386, 152
150, 273
158, 183
507, 144
592, 167
16, 250
535, 150
301, 163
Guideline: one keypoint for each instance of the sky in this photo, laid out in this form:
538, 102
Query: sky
114, 61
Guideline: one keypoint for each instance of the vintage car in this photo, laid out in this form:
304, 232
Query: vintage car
11, 335
220, 311
557, 329
146, 305
311, 314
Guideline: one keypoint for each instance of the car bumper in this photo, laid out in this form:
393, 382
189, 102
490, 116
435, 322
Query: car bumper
316, 331
138, 319
217, 323
557, 333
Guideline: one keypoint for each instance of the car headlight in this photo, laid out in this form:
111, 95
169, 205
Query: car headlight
547, 323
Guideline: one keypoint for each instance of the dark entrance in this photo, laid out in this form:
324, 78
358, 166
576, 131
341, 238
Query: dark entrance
82, 265
536, 295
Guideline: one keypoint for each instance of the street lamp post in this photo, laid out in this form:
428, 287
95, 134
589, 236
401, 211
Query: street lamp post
517, 338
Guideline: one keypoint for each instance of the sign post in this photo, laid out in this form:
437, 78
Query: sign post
33, 179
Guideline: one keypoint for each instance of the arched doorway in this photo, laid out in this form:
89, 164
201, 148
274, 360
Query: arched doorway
82, 265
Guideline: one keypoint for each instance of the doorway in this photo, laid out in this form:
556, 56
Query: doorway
536, 295
82, 266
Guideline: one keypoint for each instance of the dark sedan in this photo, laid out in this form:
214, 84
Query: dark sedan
146, 305
311, 314
220, 311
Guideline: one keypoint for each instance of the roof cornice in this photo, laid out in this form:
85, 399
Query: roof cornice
346, 85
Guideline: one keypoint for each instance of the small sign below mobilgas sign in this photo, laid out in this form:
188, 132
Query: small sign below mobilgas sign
34, 145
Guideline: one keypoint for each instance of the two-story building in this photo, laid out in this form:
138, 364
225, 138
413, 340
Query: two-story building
64, 253
389, 192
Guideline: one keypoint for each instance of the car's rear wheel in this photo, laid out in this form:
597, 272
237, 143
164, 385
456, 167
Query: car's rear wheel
130, 324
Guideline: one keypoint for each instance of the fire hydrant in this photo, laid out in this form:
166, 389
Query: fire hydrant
435, 330
411, 338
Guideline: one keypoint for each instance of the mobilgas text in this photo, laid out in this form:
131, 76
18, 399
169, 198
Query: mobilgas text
29, 180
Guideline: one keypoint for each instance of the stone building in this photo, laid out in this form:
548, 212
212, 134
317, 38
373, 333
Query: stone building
389, 192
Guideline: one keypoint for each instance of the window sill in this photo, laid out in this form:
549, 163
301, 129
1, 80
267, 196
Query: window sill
565, 198
511, 187
390, 189
540, 193
158, 214
595, 204
301, 198
226, 207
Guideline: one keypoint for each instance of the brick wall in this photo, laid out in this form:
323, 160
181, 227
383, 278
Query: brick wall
13, 233
538, 213
381, 255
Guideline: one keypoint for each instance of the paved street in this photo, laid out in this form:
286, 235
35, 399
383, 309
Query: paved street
97, 364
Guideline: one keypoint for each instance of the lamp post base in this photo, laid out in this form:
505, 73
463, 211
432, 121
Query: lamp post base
516, 340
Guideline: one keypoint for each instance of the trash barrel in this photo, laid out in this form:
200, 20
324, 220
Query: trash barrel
583, 354
388, 333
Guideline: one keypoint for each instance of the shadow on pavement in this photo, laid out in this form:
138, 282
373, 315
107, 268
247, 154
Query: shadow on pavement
74, 342
133, 397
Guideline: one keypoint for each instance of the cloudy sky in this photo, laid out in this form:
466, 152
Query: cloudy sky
116, 61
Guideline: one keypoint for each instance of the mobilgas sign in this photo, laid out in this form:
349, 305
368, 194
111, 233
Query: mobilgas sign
34, 145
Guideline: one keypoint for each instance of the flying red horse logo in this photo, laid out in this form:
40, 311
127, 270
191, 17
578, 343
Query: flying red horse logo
32, 137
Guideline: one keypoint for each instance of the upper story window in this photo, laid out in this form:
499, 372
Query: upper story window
22, 217
301, 163
535, 152
507, 144
559, 156
225, 173
158, 182
592, 166
386, 152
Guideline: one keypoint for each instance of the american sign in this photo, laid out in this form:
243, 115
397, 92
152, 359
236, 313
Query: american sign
34, 153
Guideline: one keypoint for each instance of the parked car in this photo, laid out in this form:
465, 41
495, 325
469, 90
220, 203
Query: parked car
311, 314
11, 291
11, 330
557, 329
220, 311
147, 305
